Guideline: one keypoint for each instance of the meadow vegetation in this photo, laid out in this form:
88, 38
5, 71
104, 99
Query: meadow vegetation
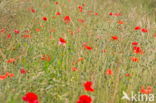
53, 47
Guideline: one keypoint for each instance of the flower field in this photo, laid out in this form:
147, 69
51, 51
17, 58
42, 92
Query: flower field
77, 51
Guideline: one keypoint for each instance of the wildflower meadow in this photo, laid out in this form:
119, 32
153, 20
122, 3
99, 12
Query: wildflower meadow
77, 51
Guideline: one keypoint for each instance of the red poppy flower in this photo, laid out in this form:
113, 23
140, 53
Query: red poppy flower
114, 37
44, 18
16, 31
135, 43
23, 71
74, 69
84, 99
88, 47
2, 30
33, 10
11, 60
137, 50
56, 3
58, 13
80, 59
67, 19
127, 75
62, 41
148, 90
144, 30
96, 14
134, 59
37, 30
9, 74
30, 97
109, 72
120, 22
88, 86
2, 77
46, 58
26, 36
137, 28
80, 8
9, 36
111, 13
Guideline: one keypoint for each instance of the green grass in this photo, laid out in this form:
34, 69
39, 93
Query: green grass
54, 81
